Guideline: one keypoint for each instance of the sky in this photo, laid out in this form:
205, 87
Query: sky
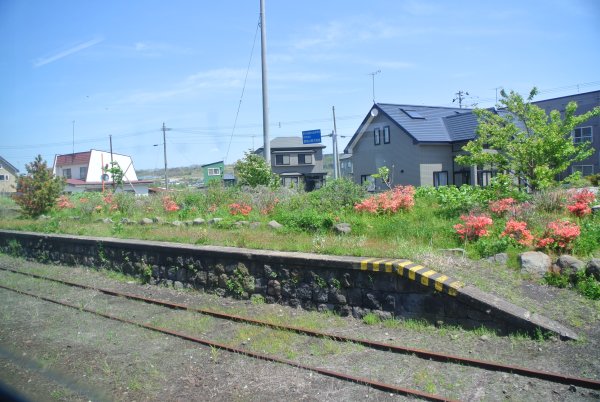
76, 74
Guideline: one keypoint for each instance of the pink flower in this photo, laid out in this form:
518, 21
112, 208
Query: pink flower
400, 198
518, 231
499, 207
580, 202
240, 209
63, 202
559, 235
169, 205
474, 226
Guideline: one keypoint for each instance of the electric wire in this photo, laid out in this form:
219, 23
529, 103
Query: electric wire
243, 90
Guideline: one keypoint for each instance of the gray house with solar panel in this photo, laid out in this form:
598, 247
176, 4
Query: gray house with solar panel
417, 143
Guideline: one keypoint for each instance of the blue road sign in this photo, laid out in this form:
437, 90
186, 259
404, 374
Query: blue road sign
311, 137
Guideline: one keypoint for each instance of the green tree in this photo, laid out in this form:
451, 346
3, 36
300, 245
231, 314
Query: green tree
116, 173
522, 140
252, 170
38, 190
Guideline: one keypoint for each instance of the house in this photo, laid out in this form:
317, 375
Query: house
8, 177
296, 163
346, 170
86, 171
417, 143
588, 131
213, 172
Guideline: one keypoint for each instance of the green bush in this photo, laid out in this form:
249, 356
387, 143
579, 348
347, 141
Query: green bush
589, 239
491, 245
38, 190
307, 219
337, 195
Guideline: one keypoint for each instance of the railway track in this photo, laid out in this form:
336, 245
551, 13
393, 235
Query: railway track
380, 346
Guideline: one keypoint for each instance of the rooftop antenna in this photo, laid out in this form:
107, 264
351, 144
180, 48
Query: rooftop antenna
73, 137
373, 74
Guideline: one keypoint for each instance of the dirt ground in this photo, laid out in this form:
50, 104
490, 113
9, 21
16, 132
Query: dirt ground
50, 352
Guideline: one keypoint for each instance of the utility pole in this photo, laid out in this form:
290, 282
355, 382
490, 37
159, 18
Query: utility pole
373, 74
265, 91
164, 130
111, 162
460, 96
336, 169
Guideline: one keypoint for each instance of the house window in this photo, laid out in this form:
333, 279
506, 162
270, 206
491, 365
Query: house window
3, 177
67, 173
83, 172
214, 171
368, 181
283, 159
582, 134
440, 178
586, 170
304, 159
484, 177
377, 136
289, 182
386, 135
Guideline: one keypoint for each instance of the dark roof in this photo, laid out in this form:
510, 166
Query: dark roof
434, 124
8, 166
228, 176
423, 123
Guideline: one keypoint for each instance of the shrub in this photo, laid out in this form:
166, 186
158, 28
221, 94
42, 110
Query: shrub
38, 190
518, 232
337, 195
559, 236
400, 198
453, 201
551, 200
64, 202
169, 205
473, 226
240, 209
488, 246
500, 207
580, 202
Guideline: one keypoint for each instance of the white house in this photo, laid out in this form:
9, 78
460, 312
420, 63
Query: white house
86, 171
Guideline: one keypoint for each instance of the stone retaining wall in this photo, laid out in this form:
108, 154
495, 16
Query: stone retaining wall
347, 285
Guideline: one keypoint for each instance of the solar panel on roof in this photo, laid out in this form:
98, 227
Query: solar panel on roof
413, 114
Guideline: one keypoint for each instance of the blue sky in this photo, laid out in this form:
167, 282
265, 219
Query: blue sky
122, 68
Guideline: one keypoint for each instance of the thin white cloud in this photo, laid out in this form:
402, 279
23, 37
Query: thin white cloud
77, 48
224, 78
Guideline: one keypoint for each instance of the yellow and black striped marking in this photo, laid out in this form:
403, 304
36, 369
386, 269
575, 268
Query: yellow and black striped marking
415, 272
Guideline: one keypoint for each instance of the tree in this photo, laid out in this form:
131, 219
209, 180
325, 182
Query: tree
522, 140
252, 170
116, 173
38, 190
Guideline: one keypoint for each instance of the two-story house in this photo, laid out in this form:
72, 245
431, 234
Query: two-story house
417, 143
87, 171
588, 131
8, 177
296, 163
